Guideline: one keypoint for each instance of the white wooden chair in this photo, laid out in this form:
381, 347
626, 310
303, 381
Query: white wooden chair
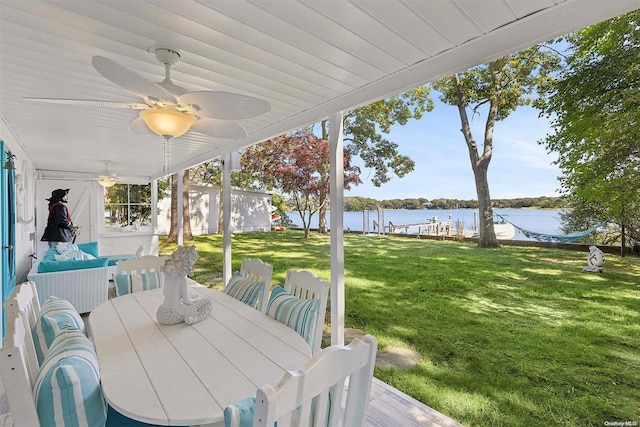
24, 299
259, 271
303, 284
24, 304
315, 394
19, 372
18, 362
141, 264
138, 274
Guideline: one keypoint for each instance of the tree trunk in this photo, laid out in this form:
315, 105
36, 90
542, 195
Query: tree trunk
322, 220
173, 228
220, 211
487, 237
186, 217
186, 214
623, 232
324, 189
322, 211
306, 225
480, 166
303, 207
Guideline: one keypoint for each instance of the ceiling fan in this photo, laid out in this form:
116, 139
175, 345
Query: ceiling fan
168, 109
106, 178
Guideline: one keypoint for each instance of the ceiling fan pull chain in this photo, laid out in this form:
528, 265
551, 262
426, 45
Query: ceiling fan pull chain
165, 166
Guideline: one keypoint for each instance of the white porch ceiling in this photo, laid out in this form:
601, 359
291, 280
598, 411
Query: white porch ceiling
307, 58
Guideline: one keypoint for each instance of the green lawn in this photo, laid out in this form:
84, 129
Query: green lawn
510, 337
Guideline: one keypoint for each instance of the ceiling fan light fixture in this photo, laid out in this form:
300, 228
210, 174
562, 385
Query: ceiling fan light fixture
106, 178
107, 181
167, 122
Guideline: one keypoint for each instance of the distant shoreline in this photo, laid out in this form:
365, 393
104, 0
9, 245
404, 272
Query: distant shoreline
355, 203
460, 209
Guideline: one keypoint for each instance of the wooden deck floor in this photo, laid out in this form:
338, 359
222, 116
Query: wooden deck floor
390, 407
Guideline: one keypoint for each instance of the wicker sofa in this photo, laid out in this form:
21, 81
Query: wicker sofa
84, 283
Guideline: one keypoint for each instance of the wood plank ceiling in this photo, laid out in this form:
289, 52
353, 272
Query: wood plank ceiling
307, 58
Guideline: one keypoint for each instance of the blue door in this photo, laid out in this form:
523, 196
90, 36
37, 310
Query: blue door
8, 228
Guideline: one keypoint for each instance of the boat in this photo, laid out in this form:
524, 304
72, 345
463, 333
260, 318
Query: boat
504, 230
501, 226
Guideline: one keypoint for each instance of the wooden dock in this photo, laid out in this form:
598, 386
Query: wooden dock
441, 228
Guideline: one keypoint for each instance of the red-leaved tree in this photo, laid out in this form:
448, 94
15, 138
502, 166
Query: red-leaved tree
297, 165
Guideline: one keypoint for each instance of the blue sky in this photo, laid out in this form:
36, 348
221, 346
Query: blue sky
520, 167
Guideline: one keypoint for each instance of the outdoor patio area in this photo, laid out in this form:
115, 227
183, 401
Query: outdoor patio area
388, 407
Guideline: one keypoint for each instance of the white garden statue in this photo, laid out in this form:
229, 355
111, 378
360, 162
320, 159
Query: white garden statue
595, 260
178, 305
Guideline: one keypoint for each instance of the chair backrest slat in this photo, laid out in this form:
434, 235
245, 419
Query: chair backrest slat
259, 271
303, 284
24, 298
321, 382
143, 264
24, 304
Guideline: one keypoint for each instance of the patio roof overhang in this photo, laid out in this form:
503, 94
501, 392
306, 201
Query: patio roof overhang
309, 59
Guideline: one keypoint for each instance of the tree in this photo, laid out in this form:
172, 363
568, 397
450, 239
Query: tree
595, 106
295, 164
211, 173
363, 129
499, 87
186, 217
280, 203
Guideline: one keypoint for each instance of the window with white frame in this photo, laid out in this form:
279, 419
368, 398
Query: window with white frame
127, 205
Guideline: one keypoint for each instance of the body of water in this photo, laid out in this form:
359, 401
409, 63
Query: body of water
545, 221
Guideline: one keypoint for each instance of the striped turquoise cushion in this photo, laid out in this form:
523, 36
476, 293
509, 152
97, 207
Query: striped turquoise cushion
67, 339
240, 413
67, 388
128, 283
55, 315
299, 314
243, 289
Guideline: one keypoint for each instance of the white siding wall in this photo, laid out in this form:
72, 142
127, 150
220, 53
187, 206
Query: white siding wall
249, 210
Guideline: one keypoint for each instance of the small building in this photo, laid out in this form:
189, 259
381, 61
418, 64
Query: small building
250, 210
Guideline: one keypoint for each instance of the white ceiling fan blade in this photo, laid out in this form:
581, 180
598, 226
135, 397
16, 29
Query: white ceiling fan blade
138, 126
225, 105
131, 81
109, 175
91, 103
226, 129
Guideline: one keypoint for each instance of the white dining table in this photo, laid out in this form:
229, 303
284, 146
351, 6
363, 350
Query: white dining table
187, 374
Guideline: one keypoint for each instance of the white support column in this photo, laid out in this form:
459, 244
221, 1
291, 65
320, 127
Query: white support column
226, 218
153, 247
180, 228
336, 178
154, 205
